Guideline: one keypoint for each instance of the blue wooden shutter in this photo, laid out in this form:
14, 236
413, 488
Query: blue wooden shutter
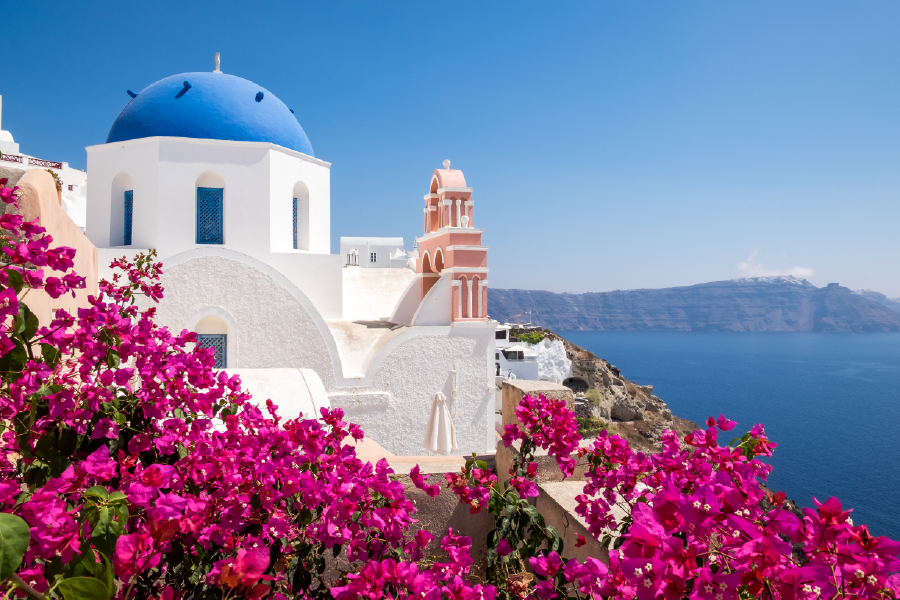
295, 223
219, 343
129, 213
209, 215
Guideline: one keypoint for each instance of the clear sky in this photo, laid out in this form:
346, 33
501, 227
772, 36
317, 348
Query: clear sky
611, 145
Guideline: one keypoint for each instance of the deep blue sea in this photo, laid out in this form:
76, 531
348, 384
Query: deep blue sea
830, 400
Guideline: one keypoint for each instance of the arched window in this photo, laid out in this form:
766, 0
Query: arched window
212, 332
476, 289
129, 214
121, 213
210, 208
301, 216
465, 298
438, 260
426, 263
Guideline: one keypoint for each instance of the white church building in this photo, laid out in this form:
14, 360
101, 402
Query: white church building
216, 174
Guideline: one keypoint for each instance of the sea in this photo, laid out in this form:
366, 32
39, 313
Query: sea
830, 400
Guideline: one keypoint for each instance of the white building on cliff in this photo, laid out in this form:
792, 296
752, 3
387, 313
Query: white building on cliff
216, 173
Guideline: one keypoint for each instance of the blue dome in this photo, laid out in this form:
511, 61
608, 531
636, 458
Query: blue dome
212, 106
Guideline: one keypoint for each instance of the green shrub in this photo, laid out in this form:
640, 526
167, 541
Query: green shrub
594, 396
531, 338
589, 426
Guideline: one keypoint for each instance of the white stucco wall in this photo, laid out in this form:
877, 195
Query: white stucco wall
435, 308
358, 343
409, 301
296, 392
273, 327
276, 326
372, 294
414, 369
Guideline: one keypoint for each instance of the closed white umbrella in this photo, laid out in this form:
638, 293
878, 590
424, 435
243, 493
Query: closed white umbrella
440, 437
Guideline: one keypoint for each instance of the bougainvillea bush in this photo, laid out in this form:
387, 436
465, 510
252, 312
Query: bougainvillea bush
132, 468
694, 521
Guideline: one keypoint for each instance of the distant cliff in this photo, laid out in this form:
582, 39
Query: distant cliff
755, 304
891, 303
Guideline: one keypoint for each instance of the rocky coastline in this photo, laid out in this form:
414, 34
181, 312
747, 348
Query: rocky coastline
623, 407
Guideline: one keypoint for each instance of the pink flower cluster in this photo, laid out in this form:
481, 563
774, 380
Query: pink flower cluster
392, 579
547, 424
692, 522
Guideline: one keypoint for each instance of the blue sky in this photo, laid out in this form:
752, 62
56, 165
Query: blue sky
611, 145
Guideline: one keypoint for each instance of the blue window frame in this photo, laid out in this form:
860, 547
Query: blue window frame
295, 223
129, 213
209, 215
219, 343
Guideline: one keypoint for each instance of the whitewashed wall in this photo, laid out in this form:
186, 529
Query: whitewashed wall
372, 294
412, 372
273, 327
276, 326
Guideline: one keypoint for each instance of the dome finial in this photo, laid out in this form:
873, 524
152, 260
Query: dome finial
218, 69
446, 163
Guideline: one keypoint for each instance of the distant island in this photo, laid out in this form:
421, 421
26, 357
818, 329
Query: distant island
754, 304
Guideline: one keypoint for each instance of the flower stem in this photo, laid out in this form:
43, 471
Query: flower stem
20, 583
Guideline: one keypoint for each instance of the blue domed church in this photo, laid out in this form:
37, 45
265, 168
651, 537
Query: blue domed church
216, 173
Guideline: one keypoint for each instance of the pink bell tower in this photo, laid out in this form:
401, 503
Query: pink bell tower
451, 246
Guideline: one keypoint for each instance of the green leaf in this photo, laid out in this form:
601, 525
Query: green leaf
82, 564
113, 359
51, 354
68, 441
104, 573
14, 360
299, 576
46, 446
83, 588
117, 498
31, 322
15, 280
105, 532
15, 536
58, 465
98, 491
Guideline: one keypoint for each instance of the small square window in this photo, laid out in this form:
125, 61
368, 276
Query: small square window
373, 257
219, 343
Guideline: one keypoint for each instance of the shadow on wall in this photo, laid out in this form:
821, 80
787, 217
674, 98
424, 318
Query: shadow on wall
39, 198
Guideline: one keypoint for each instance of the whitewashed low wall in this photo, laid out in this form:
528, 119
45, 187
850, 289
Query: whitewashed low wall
295, 392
